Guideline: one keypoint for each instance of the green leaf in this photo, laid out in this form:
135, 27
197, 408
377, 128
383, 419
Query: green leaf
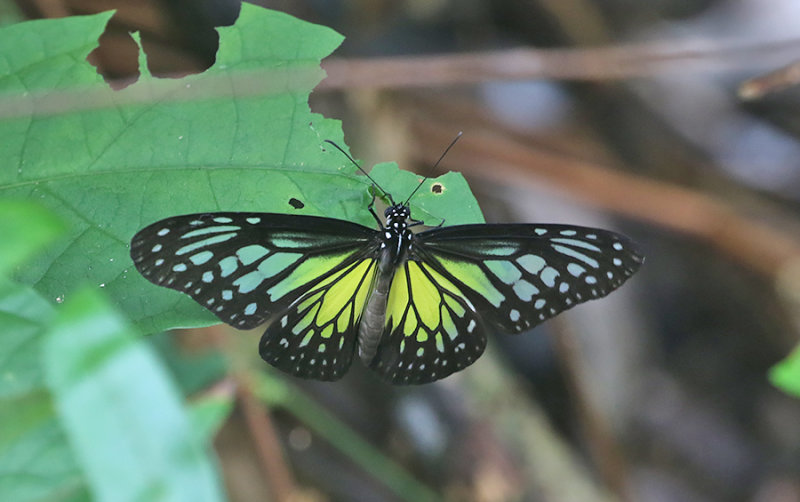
208, 413
36, 462
193, 371
239, 137
123, 416
110, 171
445, 197
786, 374
26, 227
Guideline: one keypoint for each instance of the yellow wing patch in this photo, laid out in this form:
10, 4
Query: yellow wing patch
316, 336
431, 328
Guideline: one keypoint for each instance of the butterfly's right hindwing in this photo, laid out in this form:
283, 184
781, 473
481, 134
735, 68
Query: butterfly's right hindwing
431, 331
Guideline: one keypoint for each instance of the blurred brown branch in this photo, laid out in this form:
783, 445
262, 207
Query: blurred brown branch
593, 64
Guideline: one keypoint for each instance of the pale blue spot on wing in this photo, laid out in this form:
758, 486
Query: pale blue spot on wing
250, 309
450, 329
216, 229
180, 267
222, 219
538, 304
288, 241
532, 263
250, 281
575, 269
201, 257
525, 290
205, 243
578, 256
548, 276
228, 265
253, 220
208, 276
500, 250
577, 243
278, 262
227, 295
251, 254
503, 270
439, 342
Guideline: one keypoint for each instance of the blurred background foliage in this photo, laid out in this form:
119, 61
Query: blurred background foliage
673, 121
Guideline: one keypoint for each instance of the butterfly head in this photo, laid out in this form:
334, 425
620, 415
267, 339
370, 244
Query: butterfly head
397, 217
397, 213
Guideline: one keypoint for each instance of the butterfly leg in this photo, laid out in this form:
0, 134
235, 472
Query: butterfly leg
415, 223
371, 208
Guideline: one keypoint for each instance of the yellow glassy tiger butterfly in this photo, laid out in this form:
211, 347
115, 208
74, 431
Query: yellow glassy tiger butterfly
418, 305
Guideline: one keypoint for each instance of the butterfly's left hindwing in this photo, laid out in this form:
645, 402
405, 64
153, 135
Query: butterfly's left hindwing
315, 337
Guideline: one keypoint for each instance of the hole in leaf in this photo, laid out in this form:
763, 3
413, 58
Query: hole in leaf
179, 39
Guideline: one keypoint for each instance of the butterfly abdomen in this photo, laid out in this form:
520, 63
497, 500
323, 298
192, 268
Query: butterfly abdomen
374, 317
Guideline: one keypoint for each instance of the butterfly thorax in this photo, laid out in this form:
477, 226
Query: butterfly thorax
396, 237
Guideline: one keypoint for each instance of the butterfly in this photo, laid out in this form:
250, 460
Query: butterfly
416, 306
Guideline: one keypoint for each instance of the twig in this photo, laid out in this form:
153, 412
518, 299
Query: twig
593, 64
778, 80
603, 446
278, 476
265, 439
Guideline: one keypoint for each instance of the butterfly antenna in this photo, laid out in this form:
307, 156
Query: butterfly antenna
432, 169
374, 183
